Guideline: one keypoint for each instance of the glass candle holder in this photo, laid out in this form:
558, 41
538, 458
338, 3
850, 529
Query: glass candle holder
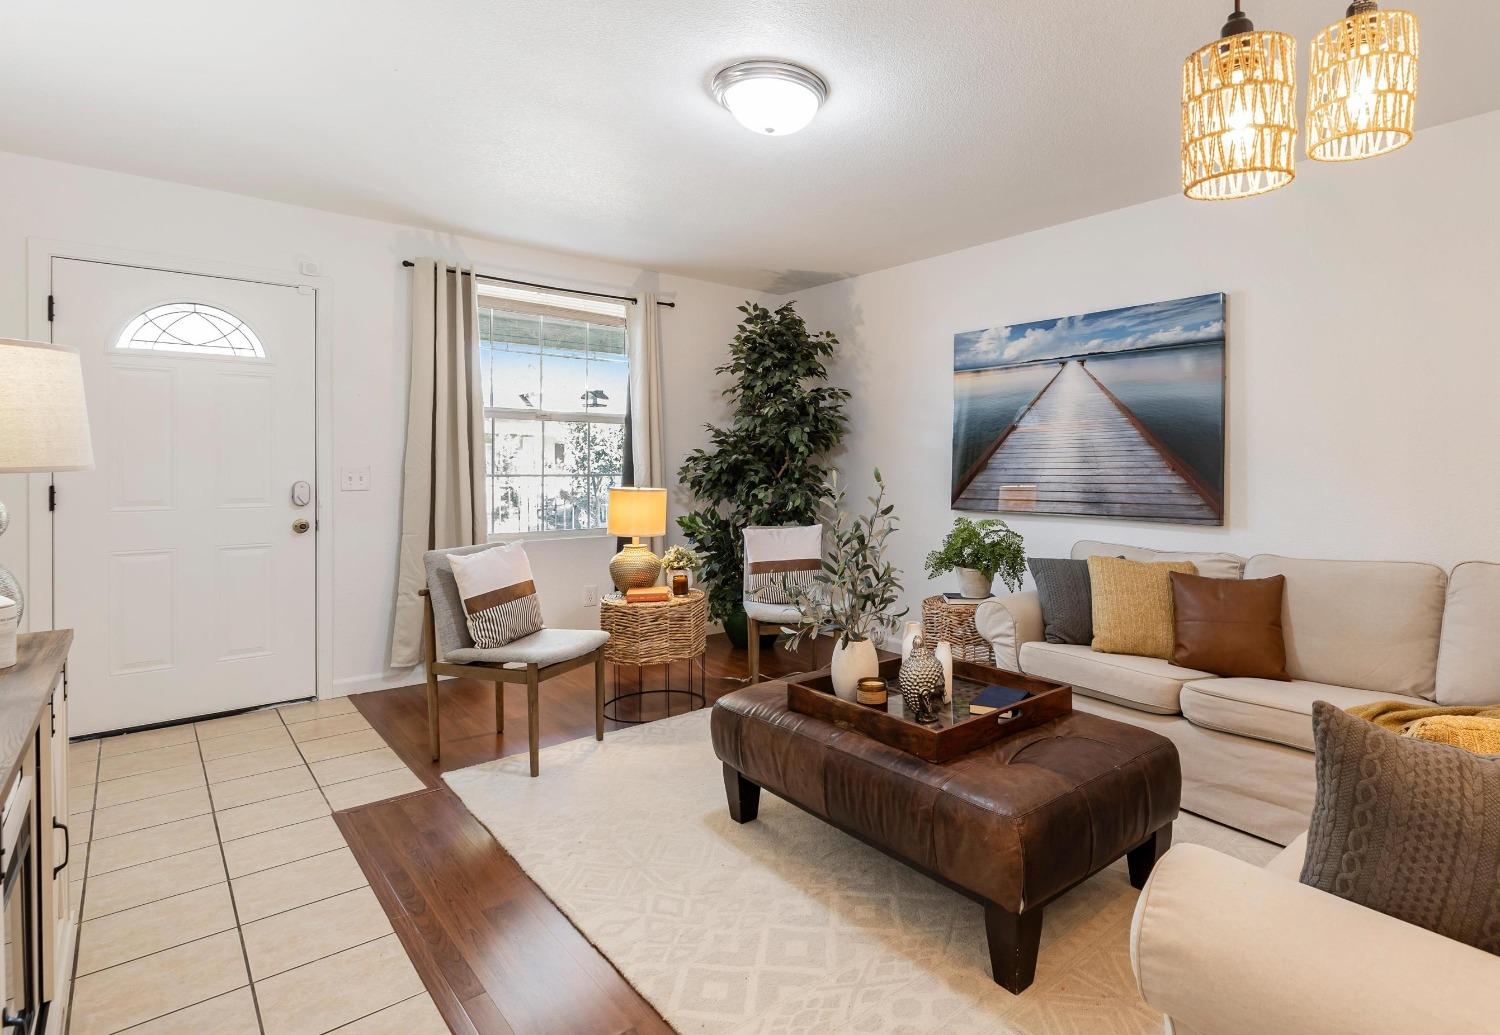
679, 584
872, 691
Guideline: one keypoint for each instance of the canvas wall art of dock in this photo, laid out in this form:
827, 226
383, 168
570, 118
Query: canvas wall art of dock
1112, 414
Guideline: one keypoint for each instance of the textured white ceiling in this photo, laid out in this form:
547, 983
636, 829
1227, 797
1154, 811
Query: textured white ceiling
586, 127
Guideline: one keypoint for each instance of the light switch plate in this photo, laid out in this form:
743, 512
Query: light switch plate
354, 479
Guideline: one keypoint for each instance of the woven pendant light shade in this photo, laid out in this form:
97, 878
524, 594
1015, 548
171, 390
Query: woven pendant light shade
1362, 96
1239, 123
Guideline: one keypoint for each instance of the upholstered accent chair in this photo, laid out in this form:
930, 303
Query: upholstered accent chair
449, 650
775, 558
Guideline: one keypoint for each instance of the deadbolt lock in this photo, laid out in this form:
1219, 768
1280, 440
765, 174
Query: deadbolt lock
301, 525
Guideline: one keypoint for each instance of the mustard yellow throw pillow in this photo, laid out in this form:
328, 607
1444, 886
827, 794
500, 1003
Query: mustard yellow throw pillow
1133, 605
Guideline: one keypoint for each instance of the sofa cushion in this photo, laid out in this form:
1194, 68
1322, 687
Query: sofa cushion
1230, 627
1372, 625
1146, 684
1269, 709
1133, 605
1209, 565
1062, 587
1407, 828
1468, 668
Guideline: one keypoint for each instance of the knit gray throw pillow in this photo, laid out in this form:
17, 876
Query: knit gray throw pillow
1406, 827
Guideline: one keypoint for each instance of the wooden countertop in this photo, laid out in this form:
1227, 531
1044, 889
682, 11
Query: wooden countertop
25, 689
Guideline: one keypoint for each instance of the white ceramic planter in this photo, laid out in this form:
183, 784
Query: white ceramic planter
973, 584
851, 664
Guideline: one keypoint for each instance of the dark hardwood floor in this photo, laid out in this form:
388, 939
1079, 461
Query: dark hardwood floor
496, 954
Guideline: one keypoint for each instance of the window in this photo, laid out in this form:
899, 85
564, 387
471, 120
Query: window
554, 375
191, 327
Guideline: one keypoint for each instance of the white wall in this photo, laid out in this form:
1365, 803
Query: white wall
370, 341
1363, 356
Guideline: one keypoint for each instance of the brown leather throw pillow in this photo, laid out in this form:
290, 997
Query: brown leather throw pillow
1230, 627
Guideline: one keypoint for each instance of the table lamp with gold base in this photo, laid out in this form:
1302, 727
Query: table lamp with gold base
636, 513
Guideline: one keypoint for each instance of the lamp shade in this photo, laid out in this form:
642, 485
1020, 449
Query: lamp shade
638, 512
1362, 97
1239, 123
44, 424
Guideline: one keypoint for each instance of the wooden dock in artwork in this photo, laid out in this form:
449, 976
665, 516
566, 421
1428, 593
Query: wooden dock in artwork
1076, 449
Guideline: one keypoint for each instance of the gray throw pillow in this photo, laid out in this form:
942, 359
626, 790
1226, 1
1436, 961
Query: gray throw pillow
1062, 588
1406, 827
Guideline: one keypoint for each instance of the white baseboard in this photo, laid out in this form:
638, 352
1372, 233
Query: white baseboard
376, 681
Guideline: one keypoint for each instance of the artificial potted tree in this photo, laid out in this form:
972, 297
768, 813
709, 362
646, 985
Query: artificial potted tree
855, 591
978, 551
765, 467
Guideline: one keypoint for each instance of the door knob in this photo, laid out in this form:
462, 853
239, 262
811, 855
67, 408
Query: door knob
301, 525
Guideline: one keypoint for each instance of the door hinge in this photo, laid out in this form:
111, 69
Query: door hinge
52, 497
51, 308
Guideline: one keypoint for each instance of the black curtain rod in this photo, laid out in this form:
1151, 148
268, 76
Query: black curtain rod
553, 287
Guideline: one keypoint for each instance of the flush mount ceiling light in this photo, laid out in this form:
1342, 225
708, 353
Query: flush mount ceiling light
771, 97
1362, 97
1239, 123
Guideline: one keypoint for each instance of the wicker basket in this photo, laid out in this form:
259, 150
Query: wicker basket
951, 620
655, 634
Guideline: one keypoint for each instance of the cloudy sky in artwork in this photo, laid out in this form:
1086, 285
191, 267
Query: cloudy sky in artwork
1178, 322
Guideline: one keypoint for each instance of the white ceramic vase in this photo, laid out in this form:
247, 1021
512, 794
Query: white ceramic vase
944, 652
908, 637
973, 584
852, 663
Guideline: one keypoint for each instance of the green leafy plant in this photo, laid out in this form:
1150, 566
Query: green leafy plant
989, 546
856, 588
765, 467
680, 558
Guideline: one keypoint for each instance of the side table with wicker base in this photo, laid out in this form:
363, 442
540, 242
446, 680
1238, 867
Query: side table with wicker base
643, 635
953, 620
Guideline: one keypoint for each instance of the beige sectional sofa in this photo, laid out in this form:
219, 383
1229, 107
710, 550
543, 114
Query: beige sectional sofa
1224, 948
1356, 632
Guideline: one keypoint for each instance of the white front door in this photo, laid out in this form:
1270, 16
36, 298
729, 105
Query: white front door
180, 560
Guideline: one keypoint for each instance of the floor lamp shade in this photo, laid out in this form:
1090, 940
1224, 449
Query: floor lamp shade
44, 422
636, 512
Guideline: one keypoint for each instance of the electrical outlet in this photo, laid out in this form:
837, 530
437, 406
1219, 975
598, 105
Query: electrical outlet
354, 479
591, 595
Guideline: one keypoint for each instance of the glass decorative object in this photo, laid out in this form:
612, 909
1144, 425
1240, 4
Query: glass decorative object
1362, 91
1239, 120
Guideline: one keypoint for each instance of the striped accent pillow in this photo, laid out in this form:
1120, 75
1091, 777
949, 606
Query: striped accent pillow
780, 562
499, 597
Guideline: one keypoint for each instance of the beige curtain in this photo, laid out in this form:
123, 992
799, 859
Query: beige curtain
647, 457
443, 500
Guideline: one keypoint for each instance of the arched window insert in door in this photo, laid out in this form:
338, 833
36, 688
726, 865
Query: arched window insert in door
193, 328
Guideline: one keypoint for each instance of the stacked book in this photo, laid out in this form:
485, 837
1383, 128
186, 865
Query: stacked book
648, 595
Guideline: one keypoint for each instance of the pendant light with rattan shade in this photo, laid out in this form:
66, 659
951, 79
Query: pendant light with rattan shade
1362, 94
1239, 120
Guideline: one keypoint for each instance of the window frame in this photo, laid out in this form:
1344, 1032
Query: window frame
538, 303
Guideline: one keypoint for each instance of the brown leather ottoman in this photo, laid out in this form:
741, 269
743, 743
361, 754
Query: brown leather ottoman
1012, 825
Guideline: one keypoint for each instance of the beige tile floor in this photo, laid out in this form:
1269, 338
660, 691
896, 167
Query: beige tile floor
217, 894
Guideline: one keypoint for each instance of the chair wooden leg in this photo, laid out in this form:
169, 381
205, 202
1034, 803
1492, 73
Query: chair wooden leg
752, 628
434, 737
599, 695
533, 716
499, 707
429, 655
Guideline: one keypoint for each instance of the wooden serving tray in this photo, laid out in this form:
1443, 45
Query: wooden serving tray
956, 732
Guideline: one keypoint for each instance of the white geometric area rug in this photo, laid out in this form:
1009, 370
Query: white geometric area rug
786, 925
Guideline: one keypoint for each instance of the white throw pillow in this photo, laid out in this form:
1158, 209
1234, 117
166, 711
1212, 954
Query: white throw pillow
779, 562
499, 598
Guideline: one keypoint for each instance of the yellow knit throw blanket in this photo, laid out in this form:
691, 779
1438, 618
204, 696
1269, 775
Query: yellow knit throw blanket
1473, 729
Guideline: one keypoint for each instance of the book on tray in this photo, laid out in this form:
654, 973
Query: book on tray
648, 595
996, 698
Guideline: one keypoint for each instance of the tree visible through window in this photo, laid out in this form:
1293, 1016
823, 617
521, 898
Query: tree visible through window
554, 376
